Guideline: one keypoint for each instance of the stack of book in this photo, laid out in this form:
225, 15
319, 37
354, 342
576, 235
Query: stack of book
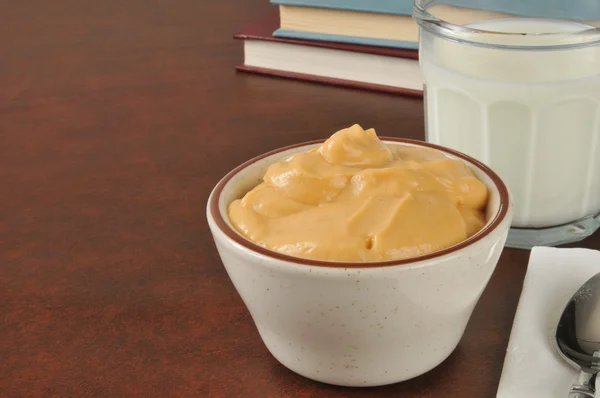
371, 44
368, 44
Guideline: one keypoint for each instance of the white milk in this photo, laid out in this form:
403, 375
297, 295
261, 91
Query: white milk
533, 116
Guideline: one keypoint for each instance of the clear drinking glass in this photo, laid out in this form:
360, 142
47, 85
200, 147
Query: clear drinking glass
516, 84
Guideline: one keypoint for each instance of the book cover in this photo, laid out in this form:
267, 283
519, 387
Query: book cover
582, 10
330, 81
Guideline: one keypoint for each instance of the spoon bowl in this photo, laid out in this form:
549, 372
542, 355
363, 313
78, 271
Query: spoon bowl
578, 336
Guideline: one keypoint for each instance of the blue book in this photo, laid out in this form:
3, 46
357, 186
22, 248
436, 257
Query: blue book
394, 7
558, 9
381, 23
362, 41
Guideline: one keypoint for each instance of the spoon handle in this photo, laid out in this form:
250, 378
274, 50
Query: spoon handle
584, 387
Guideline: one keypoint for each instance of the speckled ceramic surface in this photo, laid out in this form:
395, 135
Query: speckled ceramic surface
359, 326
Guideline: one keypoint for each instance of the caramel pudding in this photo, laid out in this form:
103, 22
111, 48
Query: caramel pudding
355, 199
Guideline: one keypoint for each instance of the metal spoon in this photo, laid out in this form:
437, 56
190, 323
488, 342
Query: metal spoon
578, 336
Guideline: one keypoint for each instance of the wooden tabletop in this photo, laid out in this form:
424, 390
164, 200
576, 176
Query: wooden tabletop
116, 120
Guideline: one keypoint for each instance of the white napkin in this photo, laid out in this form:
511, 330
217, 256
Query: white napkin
532, 367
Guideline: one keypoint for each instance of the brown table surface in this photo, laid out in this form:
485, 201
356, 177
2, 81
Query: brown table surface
116, 120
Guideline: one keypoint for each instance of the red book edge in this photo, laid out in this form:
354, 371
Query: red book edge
263, 30
330, 81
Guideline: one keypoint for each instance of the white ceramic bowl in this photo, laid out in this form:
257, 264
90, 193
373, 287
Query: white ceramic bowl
359, 324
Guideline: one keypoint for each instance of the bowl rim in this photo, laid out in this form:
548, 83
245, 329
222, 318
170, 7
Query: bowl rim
588, 37
230, 233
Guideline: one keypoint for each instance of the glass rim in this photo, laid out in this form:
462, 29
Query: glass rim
587, 37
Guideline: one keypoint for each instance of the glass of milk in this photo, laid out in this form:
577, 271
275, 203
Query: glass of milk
516, 84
